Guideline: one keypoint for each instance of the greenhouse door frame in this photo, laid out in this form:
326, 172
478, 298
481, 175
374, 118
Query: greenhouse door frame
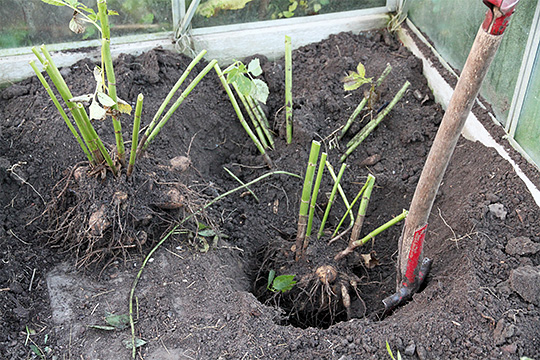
524, 78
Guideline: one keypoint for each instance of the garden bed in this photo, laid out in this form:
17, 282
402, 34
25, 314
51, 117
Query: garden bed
196, 297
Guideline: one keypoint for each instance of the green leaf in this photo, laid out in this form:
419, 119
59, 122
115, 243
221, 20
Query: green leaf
232, 75
102, 327
54, 2
271, 276
288, 14
138, 343
105, 99
260, 91
254, 67
206, 232
148, 18
283, 283
324, 2
317, 7
112, 12
361, 70
293, 6
244, 84
36, 351
120, 322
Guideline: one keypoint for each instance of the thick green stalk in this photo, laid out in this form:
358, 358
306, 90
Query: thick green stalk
357, 140
66, 95
349, 208
380, 229
332, 195
288, 88
241, 116
111, 78
364, 101
359, 222
173, 91
135, 135
62, 112
304, 202
340, 190
97, 141
261, 118
251, 115
177, 103
353, 117
316, 187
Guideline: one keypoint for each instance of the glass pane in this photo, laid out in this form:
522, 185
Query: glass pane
27, 23
452, 26
528, 127
224, 12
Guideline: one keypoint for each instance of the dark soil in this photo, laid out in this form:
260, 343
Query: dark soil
195, 299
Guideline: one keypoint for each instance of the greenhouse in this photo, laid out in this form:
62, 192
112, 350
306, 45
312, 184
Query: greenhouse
269, 179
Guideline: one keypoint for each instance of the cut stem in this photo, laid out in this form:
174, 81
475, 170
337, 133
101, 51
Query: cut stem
304, 202
288, 88
135, 134
371, 235
332, 195
177, 103
241, 116
349, 209
111, 78
361, 136
62, 112
359, 222
170, 95
340, 189
261, 118
316, 187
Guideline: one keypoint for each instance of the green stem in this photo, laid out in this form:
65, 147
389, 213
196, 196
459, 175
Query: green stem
66, 95
316, 187
359, 222
62, 112
380, 229
135, 135
357, 140
383, 75
340, 189
353, 117
241, 116
170, 95
96, 140
251, 115
288, 88
241, 182
349, 209
111, 78
261, 118
301, 242
332, 195
177, 103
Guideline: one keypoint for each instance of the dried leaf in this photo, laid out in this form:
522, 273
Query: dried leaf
370, 260
85, 99
105, 99
96, 111
138, 343
120, 322
76, 24
124, 107
102, 327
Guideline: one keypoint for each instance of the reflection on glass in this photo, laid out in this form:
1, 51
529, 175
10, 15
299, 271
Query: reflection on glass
27, 23
528, 127
224, 12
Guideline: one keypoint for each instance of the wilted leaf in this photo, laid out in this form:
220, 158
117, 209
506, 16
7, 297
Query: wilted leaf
124, 107
361, 70
207, 232
205, 247
96, 111
82, 99
138, 343
54, 2
254, 67
260, 91
76, 24
370, 260
36, 351
271, 276
120, 322
105, 99
102, 327
283, 283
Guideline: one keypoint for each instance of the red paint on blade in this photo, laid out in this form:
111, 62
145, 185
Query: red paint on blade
414, 254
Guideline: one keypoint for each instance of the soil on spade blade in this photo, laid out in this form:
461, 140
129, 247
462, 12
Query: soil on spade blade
195, 298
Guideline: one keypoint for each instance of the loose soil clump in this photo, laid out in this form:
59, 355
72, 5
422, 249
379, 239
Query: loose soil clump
204, 295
